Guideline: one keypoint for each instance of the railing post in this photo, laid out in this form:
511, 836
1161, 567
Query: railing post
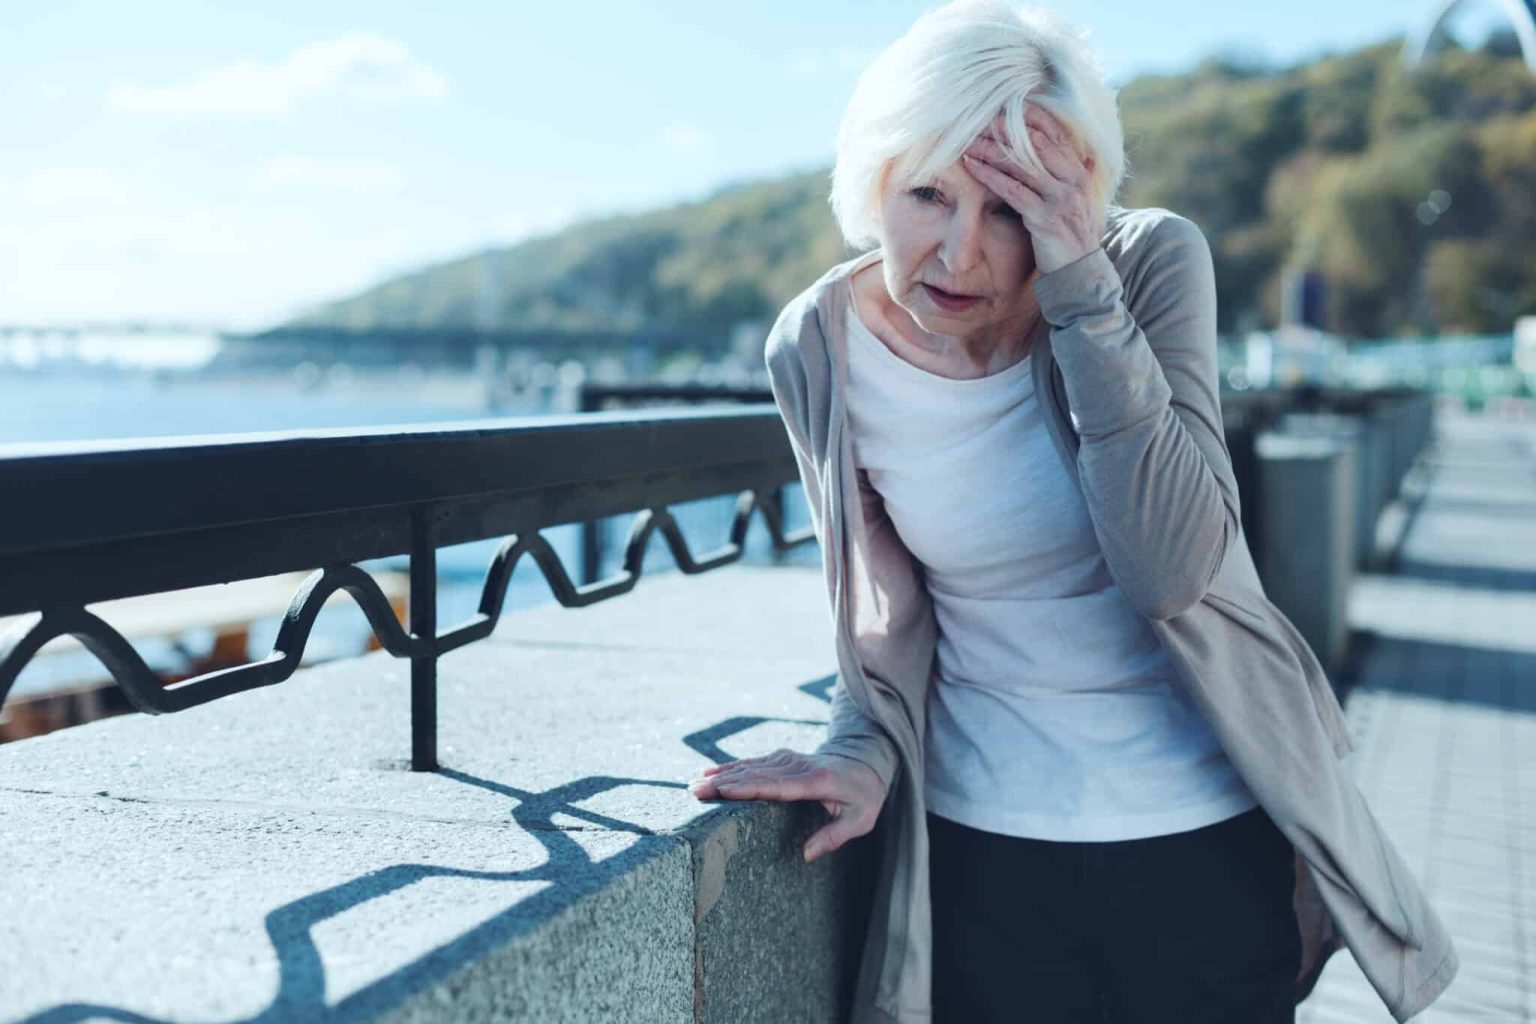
588, 400
423, 626
591, 550
777, 503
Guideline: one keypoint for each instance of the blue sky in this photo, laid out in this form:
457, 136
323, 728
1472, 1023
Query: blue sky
233, 165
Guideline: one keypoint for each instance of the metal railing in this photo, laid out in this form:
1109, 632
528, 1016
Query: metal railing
83, 522
598, 396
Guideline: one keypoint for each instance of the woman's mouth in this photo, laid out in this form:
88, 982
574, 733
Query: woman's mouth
950, 301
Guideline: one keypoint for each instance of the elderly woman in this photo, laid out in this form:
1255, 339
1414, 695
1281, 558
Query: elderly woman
1107, 771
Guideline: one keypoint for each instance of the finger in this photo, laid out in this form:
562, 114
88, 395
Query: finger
997, 129
1060, 166
705, 785
1038, 117
742, 769
704, 789
991, 150
1010, 189
779, 759
736, 784
767, 772
740, 761
1057, 132
832, 836
804, 786
1061, 162
994, 155
998, 156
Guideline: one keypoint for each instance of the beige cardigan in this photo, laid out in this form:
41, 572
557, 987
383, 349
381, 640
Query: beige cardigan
1129, 366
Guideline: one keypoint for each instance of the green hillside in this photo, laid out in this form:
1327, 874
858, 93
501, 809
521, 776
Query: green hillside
1328, 164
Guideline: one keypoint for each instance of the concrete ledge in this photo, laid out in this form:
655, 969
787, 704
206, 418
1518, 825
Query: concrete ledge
267, 856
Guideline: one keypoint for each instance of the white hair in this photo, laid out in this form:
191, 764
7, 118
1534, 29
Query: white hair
923, 101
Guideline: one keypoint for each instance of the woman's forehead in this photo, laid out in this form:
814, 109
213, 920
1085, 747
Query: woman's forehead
910, 164
953, 177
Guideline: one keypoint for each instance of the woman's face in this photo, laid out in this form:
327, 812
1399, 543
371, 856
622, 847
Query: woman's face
956, 257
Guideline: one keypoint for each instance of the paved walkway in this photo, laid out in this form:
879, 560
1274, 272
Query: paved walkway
1445, 716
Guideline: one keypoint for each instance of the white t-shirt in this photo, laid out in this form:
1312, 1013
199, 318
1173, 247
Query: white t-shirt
1056, 713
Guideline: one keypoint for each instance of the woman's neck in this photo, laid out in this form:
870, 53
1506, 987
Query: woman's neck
990, 349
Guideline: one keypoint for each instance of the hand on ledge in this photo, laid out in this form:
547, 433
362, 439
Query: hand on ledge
850, 790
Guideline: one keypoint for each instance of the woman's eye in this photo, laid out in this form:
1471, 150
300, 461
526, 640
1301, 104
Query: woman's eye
927, 193
1008, 213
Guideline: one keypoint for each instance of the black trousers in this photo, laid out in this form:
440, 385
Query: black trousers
1186, 928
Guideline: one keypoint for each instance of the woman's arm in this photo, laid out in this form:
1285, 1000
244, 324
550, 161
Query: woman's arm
1153, 463
850, 773
851, 733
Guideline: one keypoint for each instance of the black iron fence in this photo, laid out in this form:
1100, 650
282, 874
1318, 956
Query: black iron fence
87, 522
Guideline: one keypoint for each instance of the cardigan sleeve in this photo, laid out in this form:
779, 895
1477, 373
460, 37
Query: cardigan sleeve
851, 733
855, 735
1152, 460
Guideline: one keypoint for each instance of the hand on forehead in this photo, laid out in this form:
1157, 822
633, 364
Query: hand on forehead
1043, 126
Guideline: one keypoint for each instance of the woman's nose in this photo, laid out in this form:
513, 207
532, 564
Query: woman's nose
962, 243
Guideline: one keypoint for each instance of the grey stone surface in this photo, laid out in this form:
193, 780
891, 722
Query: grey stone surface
752, 883
268, 857
182, 911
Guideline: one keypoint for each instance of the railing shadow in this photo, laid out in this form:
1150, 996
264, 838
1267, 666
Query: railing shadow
567, 866
1450, 672
1485, 577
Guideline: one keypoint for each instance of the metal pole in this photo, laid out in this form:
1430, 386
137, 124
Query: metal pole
591, 529
423, 627
778, 504
591, 550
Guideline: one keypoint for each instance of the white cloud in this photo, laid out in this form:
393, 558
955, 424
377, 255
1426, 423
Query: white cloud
331, 173
685, 136
356, 65
223, 264
844, 59
197, 232
124, 264
72, 186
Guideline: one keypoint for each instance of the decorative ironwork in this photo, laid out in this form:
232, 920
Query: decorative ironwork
598, 396
151, 695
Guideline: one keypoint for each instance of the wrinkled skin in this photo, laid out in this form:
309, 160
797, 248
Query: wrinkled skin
848, 790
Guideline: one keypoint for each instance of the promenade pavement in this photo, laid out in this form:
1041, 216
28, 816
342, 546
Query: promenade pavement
1444, 712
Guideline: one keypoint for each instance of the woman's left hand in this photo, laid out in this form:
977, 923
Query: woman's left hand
1063, 222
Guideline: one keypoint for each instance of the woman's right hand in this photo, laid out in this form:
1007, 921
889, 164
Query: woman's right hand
850, 790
